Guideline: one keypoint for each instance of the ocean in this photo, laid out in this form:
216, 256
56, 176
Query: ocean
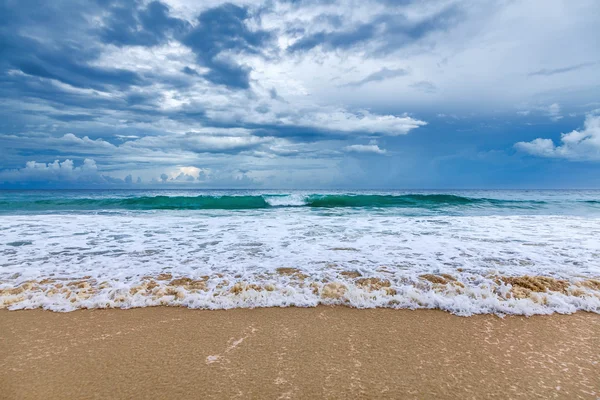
467, 252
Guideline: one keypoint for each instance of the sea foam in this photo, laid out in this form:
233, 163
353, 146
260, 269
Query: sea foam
290, 256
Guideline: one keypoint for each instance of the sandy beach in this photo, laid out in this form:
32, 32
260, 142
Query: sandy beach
299, 199
323, 352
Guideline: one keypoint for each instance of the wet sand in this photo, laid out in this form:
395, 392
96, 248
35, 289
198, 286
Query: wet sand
323, 352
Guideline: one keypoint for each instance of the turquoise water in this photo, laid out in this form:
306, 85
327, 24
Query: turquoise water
579, 202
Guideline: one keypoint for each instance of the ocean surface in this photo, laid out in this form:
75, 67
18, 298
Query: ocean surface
466, 252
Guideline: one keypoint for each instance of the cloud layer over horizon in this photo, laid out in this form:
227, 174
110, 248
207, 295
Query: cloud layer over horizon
299, 94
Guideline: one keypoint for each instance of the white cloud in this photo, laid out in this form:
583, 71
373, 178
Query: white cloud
581, 144
341, 120
203, 177
55, 171
224, 143
364, 148
483, 61
169, 58
70, 139
198, 143
194, 171
554, 112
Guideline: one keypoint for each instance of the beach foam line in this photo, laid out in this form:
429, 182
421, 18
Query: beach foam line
465, 294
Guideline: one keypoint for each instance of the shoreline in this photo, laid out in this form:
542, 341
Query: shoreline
461, 293
332, 352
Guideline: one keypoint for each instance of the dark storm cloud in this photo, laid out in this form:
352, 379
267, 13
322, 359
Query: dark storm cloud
34, 90
35, 42
222, 29
130, 24
72, 71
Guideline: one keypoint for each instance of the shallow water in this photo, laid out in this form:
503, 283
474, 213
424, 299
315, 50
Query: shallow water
464, 252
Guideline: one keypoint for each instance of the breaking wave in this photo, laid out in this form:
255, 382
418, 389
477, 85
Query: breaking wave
229, 202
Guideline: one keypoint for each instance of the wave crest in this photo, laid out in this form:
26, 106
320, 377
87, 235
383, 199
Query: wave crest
243, 202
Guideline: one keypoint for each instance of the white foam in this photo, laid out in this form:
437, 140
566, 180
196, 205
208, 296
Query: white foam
115, 252
290, 200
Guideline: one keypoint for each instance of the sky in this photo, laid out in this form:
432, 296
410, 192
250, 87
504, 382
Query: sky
300, 94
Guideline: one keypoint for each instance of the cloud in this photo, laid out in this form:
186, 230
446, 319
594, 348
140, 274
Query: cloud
372, 148
189, 71
223, 143
548, 72
582, 145
378, 76
125, 24
70, 139
182, 177
66, 69
424, 86
195, 172
220, 33
364, 121
334, 40
553, 111
132, 148
278, 88
65, 171
200, 143
66, 174
68, 143
204, 177
392, 29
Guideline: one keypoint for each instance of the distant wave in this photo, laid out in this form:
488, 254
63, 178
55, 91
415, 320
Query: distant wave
409, 200
264, 201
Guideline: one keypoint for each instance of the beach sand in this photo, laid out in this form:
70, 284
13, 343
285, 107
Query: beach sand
323, 352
